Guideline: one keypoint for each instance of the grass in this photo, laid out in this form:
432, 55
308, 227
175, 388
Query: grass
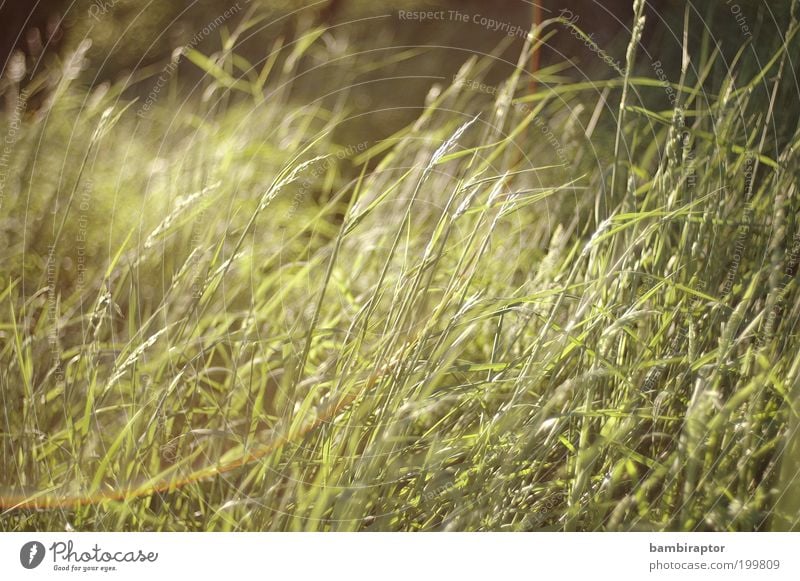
216, 317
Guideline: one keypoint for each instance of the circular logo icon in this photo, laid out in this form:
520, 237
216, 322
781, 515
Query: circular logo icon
31, 554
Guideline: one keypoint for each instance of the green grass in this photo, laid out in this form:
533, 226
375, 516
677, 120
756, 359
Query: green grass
219, 318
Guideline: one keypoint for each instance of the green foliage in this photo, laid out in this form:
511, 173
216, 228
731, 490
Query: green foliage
522, 312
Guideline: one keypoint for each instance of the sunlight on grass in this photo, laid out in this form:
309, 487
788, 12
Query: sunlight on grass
217, 317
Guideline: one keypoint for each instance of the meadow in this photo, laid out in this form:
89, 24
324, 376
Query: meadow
572, 308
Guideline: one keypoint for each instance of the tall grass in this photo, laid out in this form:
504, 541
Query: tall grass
216, 317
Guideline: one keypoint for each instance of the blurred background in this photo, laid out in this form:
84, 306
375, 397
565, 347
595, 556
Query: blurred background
391, 62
